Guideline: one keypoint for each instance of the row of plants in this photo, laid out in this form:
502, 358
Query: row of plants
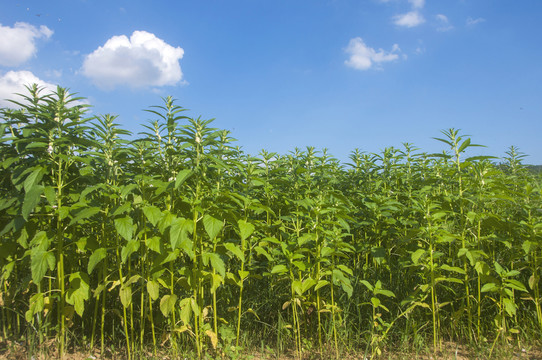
176, 238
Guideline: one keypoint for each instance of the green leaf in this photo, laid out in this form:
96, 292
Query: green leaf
321, 284
216, 281
36, 303
126, 295
127, 250
261, 251
153, 288
40, 261
453, 268
182, 176
84, 214
186, 310
384, 292
216, 262
296, 286
167, 304
153, 243
236, 250
307, 284
489, 287
515, 284
153, 214
509, 306
78, 292
97, 256
367, 285
279, 269
33, 179
125, 227
416, 255
31, 200
246, 229
464, 145
212, 226
178, 234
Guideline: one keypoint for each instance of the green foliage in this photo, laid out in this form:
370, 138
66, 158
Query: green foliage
178, 237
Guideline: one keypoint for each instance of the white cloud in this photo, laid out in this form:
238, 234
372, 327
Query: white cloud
471, 21
363, 57
410, 19
444, 23
18, 43
417, 4
14, 82
139, 61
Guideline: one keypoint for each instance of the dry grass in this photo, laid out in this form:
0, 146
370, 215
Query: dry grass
450, 351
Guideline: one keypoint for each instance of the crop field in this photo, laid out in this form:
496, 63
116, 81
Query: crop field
175, 240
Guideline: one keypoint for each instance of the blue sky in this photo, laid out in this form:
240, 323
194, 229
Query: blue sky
280, 74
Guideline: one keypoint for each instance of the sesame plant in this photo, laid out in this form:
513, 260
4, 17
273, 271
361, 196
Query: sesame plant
176, 241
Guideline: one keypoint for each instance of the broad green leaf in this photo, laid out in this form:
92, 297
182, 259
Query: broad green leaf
85, 213
212, 226
182, 176
36, 303
78, 292
375, 301
167, 304
246, 229
153, 243
40, 241
186, 310
216, 262
125, 227
489, 287
125, 190
499, 269
33, 179
217, 280
97, 256
261, 251
509, 306
243, 274
125, 295
153, 214
515, 284
153, 288
416, 255
128, 249
307, 284
279, 269
321, 284
40, 261
31, 200
178, 234
236, 250
296, 286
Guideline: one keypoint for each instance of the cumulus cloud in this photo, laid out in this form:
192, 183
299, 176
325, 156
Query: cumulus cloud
14, 82
363, 57
139, 61
18, 43
410, 19
443, 23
